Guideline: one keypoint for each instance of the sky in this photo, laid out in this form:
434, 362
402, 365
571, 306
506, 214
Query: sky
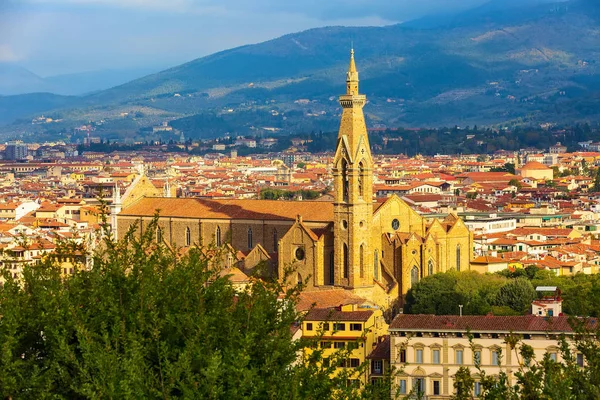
51, 37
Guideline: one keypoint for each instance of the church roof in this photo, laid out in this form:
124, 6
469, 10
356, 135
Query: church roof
315, 211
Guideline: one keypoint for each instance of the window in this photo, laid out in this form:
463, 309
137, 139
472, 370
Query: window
419, 386
580, 359
339, 345
402, 386
159, 236
356, 327
354, 362
419, 356
275, 240
346, 262
436, 388
326, 345
331, 268
345, 181
459, 357
353, 345
309, 326
362, 261
377, 366
477, 357
325, 326
553, 356
402, 355
430, 268
249, 238
495, 358
188, 237
436, 356
376, 265
414, 276
361, 173
218, 236
458, 258
477, 389
340, 327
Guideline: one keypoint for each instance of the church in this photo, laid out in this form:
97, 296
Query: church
376, 249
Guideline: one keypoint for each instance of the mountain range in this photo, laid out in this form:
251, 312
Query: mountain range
505, 63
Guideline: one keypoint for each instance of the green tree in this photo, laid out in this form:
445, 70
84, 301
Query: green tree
516, 294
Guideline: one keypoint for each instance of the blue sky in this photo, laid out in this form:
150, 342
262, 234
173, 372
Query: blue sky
64, 36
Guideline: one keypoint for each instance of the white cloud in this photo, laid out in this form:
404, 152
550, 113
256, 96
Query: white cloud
7, 54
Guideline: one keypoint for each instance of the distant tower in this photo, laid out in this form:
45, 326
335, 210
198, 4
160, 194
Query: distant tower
167, 189
181, 138
353, 186
115, 209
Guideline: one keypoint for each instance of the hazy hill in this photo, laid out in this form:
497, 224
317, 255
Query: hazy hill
505, 62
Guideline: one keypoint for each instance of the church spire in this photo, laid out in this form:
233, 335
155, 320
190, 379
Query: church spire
352, 77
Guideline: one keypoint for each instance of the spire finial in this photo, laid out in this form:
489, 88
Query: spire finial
352, 77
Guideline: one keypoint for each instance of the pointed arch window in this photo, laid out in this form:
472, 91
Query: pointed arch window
458, 258
332, 267
414, 276
361, 183
218, 236
346, 262
376, 265
188, 236
430, 268
362, 261
249, 238
345, 180
275, 240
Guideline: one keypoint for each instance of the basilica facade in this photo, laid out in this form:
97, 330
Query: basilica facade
377, 249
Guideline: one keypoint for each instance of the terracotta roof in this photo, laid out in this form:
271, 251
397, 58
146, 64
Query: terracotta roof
487, 323
382, 350
318, 211
488, 260
534, 165
327, 299
331, 314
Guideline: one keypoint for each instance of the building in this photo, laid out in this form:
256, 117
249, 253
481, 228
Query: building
536, 170
15, 151
376, 249
352, 327
429, 349
558, 148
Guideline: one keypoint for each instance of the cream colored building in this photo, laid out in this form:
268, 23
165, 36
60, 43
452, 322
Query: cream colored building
537, 171
428, 350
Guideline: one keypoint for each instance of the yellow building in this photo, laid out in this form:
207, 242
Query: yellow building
349, 327
377, 250
536, 170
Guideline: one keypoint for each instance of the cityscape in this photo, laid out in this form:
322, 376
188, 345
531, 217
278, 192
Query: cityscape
150, 255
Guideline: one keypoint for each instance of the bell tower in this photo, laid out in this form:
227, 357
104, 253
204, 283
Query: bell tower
353, 187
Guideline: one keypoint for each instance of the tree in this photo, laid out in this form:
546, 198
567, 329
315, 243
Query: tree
516, 183
148, 322
516, 294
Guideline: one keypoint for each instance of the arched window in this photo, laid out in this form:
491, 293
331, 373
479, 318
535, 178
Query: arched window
218, 236
362, 261
159, 237
249, 238
376, 265
414, 276
300, 282
331, 268
275, 240
346, 262
430, 268
458, 258
188, 236
361, 174
345, 181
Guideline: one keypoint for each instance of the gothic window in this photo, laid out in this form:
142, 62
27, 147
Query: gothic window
331, 268
458, 258
188, 237
218, 236
300, 280
376, 265
275, 240
249, 238
362, 261
430, 268
159, 237
345, 181
346, 262
361, 174
414, 276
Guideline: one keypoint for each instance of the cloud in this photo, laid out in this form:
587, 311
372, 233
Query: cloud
7, 54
